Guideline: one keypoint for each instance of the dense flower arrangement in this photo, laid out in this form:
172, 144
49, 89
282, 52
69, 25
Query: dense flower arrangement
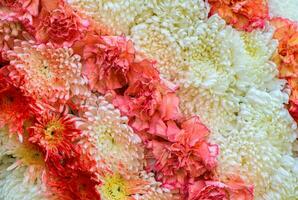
148, 100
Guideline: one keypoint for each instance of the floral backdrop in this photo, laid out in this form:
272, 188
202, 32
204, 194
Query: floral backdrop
148, 99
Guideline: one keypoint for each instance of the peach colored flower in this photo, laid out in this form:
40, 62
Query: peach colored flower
234, 189
189, 157
242, 14
45, 73
107, 62
287, 58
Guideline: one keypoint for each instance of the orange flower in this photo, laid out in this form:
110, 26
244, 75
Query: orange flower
57, 135
287, 57
287, 35
242, 14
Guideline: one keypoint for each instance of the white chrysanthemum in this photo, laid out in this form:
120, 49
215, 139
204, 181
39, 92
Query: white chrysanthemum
287, 9
255, 150
117, 14
114, 140
13, 187
14, 173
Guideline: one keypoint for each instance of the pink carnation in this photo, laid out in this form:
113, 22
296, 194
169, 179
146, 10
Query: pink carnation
147, 101
234, 189
189, 157
107, 62
61, 26
30, 6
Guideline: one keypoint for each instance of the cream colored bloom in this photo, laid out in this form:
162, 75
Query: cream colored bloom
115, 142
286, 9
20, 174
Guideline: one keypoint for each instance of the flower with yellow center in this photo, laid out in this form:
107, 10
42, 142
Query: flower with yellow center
116, 187
57, 135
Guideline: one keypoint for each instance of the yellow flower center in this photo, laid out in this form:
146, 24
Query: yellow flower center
115, 188
29, 155
40, 67
250, 45
105, 135
53, 131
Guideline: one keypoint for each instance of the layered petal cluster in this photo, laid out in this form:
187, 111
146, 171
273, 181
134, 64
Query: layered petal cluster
45, 73
242, 14
188, 157
218, 69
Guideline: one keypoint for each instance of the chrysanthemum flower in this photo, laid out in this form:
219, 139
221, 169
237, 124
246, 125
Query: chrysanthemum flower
242, 14
118, 15
9, 31
286, 9
189, 157
113, 139
59, 25
56, 134
107, 62
15, 107
116, 186
47, 74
